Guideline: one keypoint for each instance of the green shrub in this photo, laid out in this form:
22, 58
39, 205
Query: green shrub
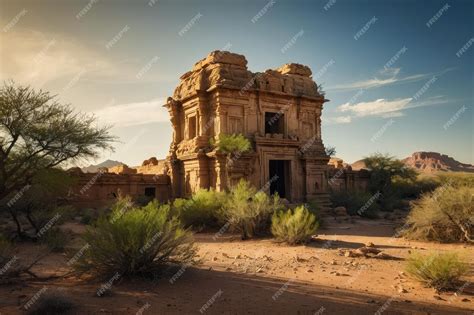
231, 144
356, 202
51, 303
439, 271
201, 210
413, 188
445, 215
55, 239
294, 226
88, 216
135, 241
248, 211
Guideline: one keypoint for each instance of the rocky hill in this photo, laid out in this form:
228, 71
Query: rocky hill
94, 168
429, 162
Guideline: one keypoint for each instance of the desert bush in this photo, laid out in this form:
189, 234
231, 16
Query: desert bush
436, 270
456, 179
356, 202
135, 241
52, 303
248, 211
294, 226
201, 210
55, 239
445, 215
413, 188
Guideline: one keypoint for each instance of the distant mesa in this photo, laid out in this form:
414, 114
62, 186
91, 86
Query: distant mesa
429, 162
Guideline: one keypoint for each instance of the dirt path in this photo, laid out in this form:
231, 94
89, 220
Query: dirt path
262, 277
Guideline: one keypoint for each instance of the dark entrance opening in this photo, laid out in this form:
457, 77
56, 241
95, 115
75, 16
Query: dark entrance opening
274, 122
279, 177
150, 192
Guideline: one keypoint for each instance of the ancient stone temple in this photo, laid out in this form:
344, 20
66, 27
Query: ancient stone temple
278, 110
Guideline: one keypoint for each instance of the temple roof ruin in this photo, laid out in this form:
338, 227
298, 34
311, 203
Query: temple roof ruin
229, 70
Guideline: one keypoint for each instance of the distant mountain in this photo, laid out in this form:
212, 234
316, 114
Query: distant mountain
94, 168
358, 165
429, 162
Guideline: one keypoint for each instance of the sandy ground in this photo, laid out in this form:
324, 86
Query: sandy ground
263, 277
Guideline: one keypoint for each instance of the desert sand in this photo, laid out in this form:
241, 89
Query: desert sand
263, 277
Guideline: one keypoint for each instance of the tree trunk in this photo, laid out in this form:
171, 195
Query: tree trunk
19, 229
31, 221
227, 173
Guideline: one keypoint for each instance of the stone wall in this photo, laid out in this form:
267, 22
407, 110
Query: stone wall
102, 188
346, 179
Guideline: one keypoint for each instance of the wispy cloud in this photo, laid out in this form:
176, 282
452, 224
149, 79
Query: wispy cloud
133, 114
385, 77
373, 108
387, 108
336, 120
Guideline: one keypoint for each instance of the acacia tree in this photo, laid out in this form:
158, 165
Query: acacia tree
37, 133
384, 168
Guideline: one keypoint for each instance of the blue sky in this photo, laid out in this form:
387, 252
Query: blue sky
395, 72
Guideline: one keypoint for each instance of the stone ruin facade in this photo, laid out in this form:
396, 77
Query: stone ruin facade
278, 110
